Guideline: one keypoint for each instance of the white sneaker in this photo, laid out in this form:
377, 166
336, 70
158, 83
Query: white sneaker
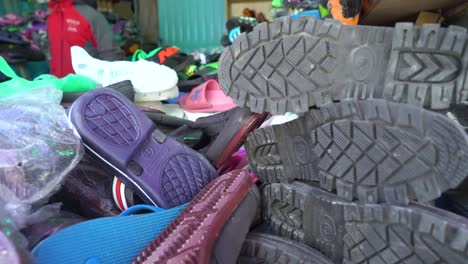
151, 81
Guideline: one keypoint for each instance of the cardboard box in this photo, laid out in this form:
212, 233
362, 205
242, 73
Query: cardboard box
387, 12
426, 17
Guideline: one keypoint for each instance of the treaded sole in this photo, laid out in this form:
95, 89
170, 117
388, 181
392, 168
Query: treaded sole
271, 249
356, 233
191, 236
292, 65
371, 150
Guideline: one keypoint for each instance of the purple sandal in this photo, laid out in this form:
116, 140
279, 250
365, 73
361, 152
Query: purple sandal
162, 171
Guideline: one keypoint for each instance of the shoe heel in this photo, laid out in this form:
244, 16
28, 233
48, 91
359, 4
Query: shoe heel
294, 212
428, 66
285, 160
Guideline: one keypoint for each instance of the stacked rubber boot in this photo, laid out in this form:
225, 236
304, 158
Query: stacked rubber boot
353, 177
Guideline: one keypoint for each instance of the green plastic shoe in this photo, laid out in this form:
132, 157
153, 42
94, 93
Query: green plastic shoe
71, 83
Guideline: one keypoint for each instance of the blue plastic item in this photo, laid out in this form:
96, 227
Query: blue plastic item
106, 240
312, 13
141, 207
234, 33
176, 99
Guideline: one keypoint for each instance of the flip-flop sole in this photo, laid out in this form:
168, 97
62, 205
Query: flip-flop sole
350, 232
105, 240
372, 150
271, 249
162, 171
192, 235
291, 65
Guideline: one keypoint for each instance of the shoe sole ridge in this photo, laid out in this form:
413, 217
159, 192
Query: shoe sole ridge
371, 150
190, 238
271, 249
292, 65
348, 232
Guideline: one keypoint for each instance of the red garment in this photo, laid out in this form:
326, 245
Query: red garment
67, 28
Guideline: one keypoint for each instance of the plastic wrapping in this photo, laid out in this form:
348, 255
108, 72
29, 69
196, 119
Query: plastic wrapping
38, 147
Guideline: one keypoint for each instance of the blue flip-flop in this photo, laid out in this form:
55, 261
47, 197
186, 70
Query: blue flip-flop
106, 240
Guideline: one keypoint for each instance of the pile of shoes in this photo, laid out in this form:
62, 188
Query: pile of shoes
355, 179
305, 141
17, 46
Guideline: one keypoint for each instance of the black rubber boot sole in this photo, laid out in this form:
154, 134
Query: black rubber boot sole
349, 232
292, 65
371, 150
271, 249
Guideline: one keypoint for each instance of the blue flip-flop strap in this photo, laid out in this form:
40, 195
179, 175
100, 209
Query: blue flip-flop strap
105, 240
141, 207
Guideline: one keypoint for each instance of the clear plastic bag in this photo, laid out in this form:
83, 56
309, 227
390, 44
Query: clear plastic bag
38, 147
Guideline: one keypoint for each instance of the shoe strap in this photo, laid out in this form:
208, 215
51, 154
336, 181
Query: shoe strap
141, 207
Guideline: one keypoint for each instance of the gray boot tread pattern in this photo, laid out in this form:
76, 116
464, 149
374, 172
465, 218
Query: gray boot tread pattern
371, 150
271, 249
291, 65
348, 232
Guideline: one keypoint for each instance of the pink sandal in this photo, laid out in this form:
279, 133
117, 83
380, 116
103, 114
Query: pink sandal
207, 98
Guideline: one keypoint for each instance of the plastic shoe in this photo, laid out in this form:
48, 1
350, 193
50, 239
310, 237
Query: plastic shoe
206, 98
348, 232
224, 132
292, 65
162, 171
162, 84
237, 25
212, 228
105, 240
170, 56
271, 249
240, 123
371, 150
202, 74
16, 84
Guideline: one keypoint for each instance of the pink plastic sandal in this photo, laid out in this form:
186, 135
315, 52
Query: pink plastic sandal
207, 98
